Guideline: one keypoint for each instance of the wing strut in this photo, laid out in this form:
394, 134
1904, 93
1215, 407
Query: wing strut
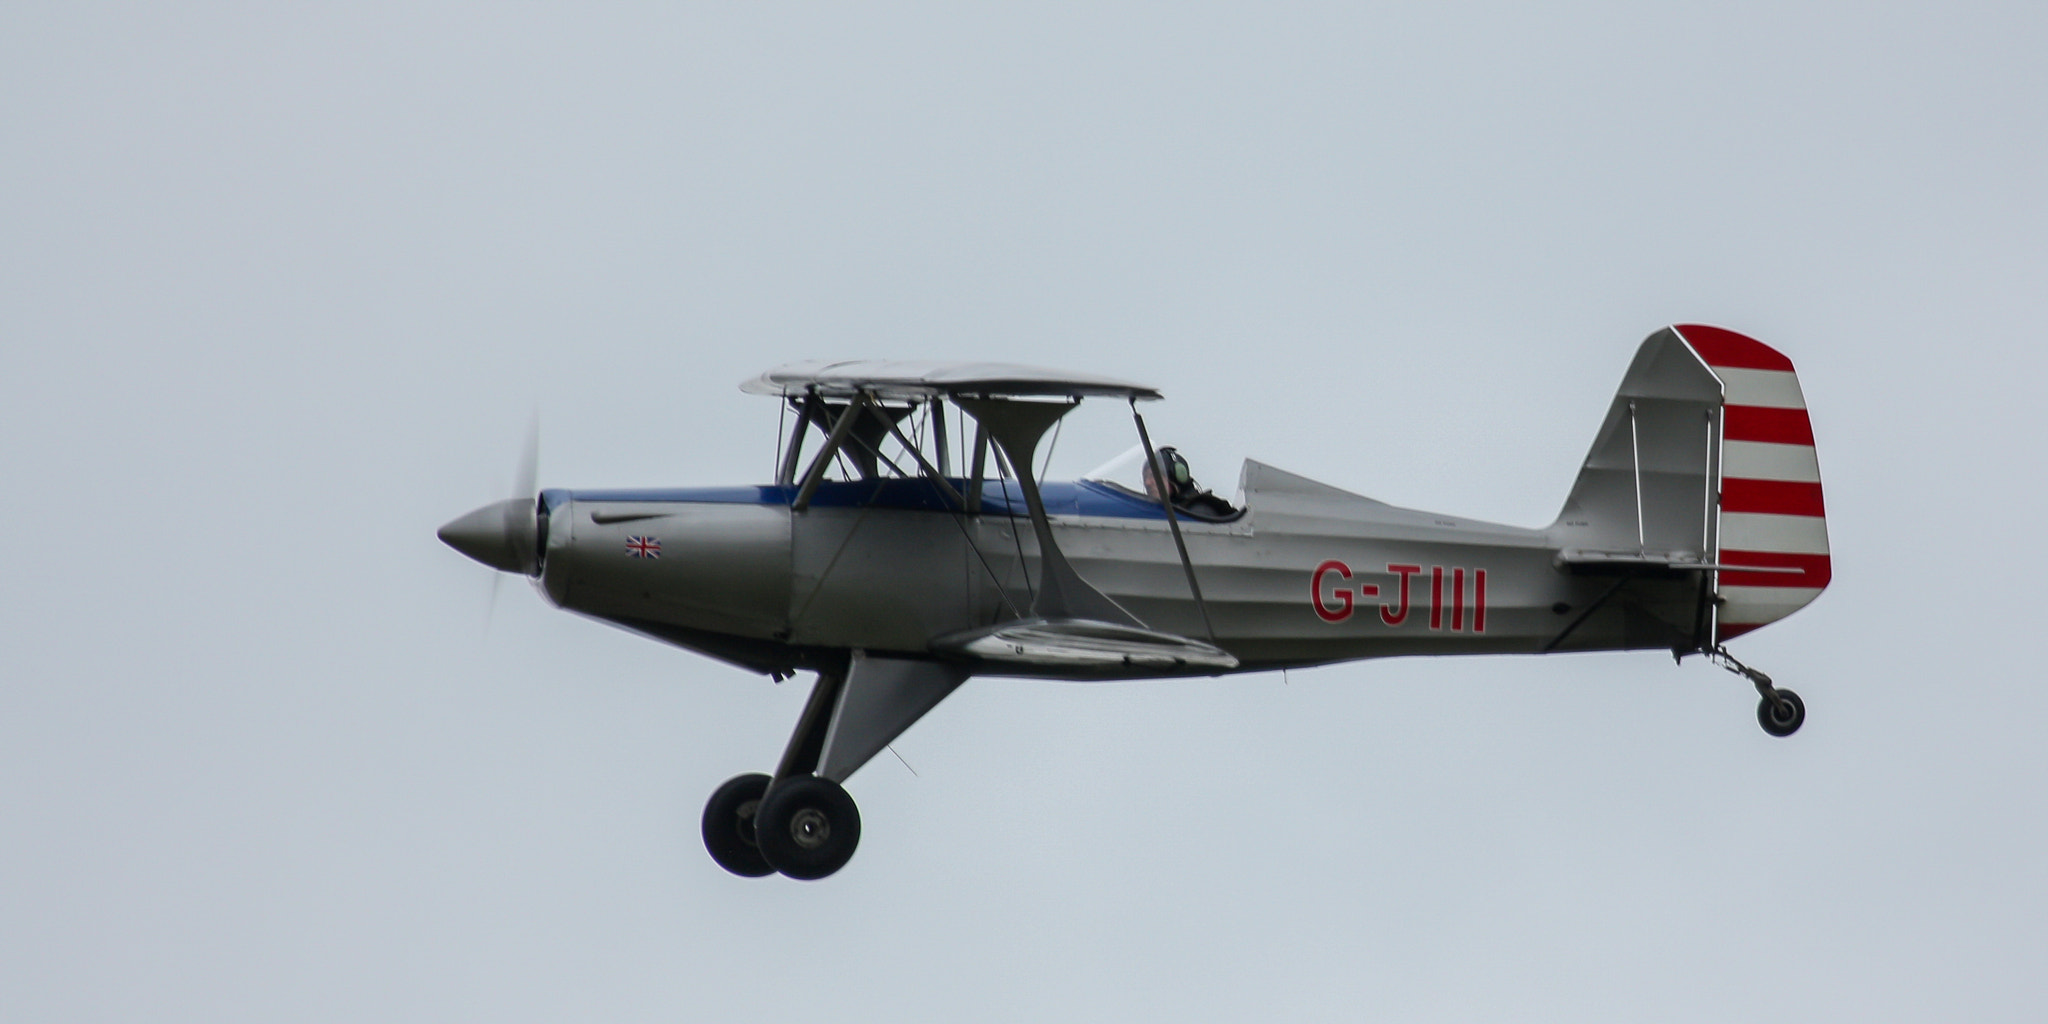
840, 429
1173, 522
1017, 427
938, 478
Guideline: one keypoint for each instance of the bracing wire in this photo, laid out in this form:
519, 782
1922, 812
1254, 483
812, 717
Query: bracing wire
781, 424
960, 521
1003, 470
1046, 463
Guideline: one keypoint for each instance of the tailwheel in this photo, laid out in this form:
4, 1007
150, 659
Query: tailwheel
729, 818
807, 827
1781, 712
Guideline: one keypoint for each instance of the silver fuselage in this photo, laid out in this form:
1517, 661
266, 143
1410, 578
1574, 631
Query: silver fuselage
1309, 574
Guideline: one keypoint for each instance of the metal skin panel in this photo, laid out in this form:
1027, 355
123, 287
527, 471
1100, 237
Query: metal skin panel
1758, 460
1761, 531
1764, 604
719, 568
1771, 389
880, 579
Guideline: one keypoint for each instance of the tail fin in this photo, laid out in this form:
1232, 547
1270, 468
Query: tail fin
1707, 456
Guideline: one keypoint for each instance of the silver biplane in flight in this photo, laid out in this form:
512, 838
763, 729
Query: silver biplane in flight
899, 553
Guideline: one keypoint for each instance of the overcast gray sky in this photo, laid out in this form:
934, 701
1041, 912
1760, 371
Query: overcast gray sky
280, 287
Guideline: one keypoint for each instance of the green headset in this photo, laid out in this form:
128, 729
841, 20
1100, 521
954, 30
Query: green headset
1175, 467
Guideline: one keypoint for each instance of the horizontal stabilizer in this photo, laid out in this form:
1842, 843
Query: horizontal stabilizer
1070, 644
1626, 563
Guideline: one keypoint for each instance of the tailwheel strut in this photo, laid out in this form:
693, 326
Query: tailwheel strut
1779, 711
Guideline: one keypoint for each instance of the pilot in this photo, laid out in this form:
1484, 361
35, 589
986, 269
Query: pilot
1180, 484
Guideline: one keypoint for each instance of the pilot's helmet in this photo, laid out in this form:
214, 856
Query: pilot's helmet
1179, 478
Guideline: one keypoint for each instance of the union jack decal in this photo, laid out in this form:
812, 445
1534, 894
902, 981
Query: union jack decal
643, 547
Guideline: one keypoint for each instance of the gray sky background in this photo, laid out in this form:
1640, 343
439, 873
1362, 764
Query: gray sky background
280, 288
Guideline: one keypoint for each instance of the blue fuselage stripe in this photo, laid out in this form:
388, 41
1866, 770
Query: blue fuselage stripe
1062, 498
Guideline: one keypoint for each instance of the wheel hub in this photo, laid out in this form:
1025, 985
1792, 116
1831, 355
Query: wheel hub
810, 828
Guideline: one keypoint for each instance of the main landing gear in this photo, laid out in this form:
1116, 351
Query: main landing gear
797, 821
1779, 711
800, 821
805, 827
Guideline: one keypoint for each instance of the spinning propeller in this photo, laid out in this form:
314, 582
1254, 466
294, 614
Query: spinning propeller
505, 535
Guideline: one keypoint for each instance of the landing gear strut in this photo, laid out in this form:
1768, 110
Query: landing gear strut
1779, 711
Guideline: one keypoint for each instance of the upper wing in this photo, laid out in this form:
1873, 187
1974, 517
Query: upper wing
912, 380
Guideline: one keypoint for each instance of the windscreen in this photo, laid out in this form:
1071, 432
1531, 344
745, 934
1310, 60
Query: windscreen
1126, 471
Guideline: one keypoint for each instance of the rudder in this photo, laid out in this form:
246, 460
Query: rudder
1772, 513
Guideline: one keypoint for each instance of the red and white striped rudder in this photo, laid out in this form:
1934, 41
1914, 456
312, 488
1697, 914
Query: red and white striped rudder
1771, 513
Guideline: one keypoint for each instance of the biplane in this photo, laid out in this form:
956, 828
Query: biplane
908, 545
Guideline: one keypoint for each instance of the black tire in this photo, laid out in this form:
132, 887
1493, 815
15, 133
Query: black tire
1781, 717
808, 827
729, 826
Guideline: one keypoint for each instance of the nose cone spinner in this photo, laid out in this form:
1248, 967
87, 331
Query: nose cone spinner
504, 536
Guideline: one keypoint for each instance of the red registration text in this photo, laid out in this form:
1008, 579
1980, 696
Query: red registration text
1334, 595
